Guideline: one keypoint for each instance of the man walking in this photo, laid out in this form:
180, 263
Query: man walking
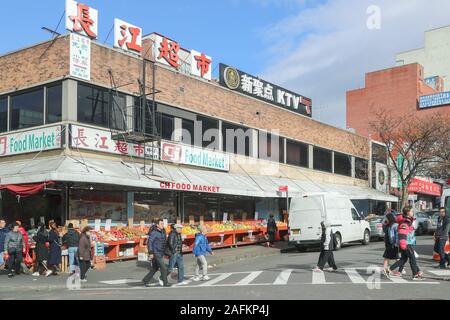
441, 236
3, 233
175, 251
72, 240
156, 250
14, 246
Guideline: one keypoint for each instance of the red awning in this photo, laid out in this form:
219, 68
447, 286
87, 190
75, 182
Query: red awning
26, 190
425, 187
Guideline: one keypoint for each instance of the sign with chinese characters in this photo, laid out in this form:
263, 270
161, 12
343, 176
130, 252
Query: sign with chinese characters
201, 65
80, 57
127, 36
434, 100
194, 156
189, 187
101, 141
237, 80
381, 177
424, 187
30, 141
81, 19
170, 53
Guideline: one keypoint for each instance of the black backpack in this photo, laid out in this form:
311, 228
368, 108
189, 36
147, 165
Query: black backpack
334, 240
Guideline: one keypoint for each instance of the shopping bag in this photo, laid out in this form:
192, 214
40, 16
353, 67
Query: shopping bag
416, 255
28, 260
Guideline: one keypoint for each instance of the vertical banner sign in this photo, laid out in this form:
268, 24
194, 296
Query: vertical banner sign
81, 19
201, 65
97, 224
108, 225
80, 57
225, 216
127, 37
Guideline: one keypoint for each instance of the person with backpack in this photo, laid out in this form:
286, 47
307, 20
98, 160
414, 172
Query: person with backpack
328, 245
406, 240
390, 242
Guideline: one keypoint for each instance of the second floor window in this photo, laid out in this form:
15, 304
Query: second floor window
27, 109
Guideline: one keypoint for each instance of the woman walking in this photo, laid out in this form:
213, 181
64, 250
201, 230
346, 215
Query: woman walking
54, 258
41, 239
271, 230
85, 252
390, 227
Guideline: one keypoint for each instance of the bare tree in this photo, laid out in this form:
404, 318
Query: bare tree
423, 143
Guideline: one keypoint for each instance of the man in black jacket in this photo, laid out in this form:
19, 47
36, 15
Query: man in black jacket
175, 252
72, 240
156, 250
441, 236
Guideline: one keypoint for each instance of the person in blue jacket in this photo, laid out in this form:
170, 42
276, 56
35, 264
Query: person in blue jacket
201, 246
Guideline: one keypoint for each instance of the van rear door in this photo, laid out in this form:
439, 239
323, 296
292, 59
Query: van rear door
305, 216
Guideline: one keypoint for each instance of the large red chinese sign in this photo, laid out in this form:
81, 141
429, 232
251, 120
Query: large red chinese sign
424, 187
82, 19
127, 36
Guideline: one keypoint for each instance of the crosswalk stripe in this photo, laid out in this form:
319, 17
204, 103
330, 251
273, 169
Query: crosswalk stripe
318, 278
215, 280
252, 276
354, 276
440, 272
283, 277
121, 281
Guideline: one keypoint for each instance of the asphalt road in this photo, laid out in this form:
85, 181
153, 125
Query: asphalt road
284, 276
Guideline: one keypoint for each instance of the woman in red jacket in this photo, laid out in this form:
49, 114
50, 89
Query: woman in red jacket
26, 248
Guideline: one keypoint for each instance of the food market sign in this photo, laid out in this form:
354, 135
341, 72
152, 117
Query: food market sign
30, 141
101, 141
194, 156
189, 187
434, 100
242, 82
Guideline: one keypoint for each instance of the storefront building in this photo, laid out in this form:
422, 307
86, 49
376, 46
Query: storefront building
70, 110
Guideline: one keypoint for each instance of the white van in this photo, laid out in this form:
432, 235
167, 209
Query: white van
307, 212
445, 200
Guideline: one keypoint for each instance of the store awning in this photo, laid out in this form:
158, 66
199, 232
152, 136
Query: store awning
167, 176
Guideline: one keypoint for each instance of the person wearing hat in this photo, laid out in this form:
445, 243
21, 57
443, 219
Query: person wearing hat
175, 252
85, 252
71, 240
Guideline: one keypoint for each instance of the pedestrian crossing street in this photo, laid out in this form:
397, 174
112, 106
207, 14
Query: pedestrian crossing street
356, 276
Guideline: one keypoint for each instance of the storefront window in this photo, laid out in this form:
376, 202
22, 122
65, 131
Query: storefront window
165, 125
91, 205
297, 154
236, 139
361, 169
153, 205
3, 114
54, 104
322, 159
342, 164
27, 109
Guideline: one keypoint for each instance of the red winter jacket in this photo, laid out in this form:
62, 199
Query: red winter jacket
405, 230
25, 239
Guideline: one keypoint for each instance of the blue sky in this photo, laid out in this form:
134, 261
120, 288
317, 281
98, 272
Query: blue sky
319, 49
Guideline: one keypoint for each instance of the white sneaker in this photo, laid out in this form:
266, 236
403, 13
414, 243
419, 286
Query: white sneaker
48, 273
182, 283
84, 280
161, 283
317, 269
403, 272
206, 278
330, 270
196, 279
36, 274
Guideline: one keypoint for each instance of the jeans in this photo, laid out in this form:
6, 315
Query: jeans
177, 259
439, 247
405, 255
15, 260
326, 256
2, 261
84, 267
201, 264
73, 258
157, 264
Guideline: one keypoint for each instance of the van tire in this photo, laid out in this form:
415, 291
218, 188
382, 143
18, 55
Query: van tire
339, 241
366, 237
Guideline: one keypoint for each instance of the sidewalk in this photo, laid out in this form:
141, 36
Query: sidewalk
133, 269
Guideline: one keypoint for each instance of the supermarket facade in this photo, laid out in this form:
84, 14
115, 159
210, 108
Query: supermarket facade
70, 109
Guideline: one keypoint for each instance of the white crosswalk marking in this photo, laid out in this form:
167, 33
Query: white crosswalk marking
318, 278
121, 281
252, 276
215, 280
283, 277
354, 276
440, 272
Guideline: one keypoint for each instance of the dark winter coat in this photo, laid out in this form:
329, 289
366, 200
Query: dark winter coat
174, 243
54, 257
84, 248
13, 241
157, 242
271, 226
443, 228
71, 238
41, 250
3, 233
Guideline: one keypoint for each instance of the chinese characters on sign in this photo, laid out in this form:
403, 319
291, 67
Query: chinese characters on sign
201, 65
170, 53
424, 187
127, 36
82, 19
100, 140
434, 100
168, 50
80, 57
237, 80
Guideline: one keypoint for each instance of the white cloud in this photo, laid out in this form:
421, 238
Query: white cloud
323, 51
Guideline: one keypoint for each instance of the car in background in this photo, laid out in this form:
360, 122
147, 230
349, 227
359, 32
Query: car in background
423, 223
432, 227
376, 227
